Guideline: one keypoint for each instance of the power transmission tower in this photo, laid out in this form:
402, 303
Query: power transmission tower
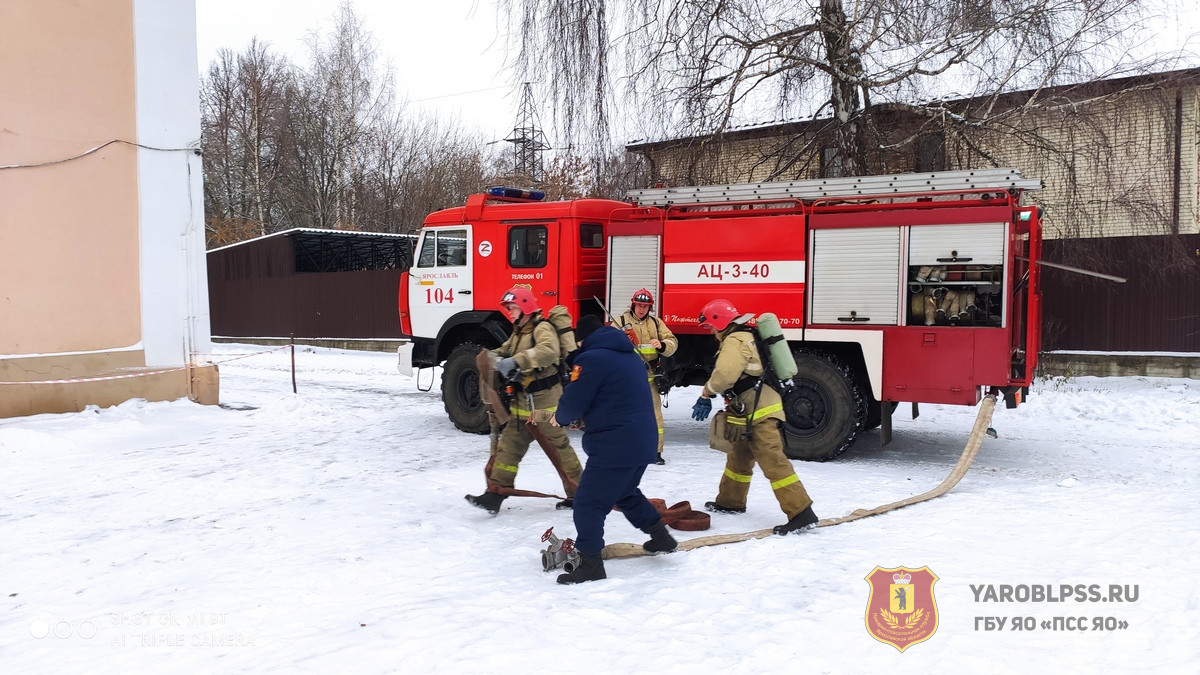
528, 140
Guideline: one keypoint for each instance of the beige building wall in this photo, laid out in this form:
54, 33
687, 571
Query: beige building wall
1110, 166
101, 283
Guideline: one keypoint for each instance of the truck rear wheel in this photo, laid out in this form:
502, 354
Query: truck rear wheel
825, 409
460, 390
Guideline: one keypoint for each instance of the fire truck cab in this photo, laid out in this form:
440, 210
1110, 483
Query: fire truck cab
468, 256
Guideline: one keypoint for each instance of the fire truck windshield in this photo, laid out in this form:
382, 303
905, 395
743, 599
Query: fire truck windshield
443, 248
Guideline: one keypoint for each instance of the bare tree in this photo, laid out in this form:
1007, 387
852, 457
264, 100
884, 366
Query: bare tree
387, 155
342, 96
608, 176
448, 163
265, 81
220, 185
618, 173
327, 145
696, 68
243, 100
415, 165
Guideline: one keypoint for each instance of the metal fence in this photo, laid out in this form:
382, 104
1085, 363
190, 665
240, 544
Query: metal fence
1156, 310
308, 283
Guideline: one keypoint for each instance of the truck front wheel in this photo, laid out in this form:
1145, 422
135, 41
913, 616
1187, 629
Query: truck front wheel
460, 390
825, 410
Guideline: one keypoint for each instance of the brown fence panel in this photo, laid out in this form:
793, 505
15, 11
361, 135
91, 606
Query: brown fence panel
251, 307
347, 304
255, 291
1156, 310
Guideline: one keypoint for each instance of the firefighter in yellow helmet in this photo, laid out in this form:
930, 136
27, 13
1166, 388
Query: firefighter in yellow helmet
756, 408
652, 340
529, 360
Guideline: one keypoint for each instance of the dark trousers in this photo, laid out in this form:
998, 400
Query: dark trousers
600, 489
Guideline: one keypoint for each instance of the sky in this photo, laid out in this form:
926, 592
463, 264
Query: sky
326, 531
448, 56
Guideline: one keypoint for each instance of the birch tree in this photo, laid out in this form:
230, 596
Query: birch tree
343, 95
243, 98
697, 68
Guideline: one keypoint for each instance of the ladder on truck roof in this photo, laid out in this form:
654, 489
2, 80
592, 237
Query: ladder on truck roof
808, 190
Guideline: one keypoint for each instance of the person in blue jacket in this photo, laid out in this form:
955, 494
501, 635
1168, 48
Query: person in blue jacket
609, 392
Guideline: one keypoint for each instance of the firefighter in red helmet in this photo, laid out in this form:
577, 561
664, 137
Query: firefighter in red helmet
653, 341
529, 362
754, 417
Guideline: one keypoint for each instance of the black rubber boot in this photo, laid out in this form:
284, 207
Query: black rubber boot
591, 568
805, 520
660, 461
488, 501
565, 505
717, 508
661, 541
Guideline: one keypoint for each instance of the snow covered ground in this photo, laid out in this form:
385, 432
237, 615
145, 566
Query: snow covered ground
326, 531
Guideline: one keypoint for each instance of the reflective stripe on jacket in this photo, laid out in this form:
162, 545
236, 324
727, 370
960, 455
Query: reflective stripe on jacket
647, 329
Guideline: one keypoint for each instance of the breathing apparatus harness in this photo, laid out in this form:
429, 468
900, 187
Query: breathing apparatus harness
763, 342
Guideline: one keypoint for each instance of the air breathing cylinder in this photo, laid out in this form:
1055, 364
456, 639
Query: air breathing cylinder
780, 354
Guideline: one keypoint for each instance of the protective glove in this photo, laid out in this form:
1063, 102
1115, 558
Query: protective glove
701, 410
507, 368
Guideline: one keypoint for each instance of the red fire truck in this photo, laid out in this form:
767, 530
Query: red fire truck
920, 288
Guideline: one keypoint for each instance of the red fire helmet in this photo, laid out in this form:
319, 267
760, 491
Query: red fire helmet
521, 297
642, 296
717, 314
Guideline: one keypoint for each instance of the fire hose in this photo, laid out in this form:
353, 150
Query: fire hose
974, 441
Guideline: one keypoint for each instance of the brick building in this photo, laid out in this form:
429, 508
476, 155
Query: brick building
1119, 160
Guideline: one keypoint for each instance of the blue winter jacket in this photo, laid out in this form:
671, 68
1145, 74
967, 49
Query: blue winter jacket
610, 393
